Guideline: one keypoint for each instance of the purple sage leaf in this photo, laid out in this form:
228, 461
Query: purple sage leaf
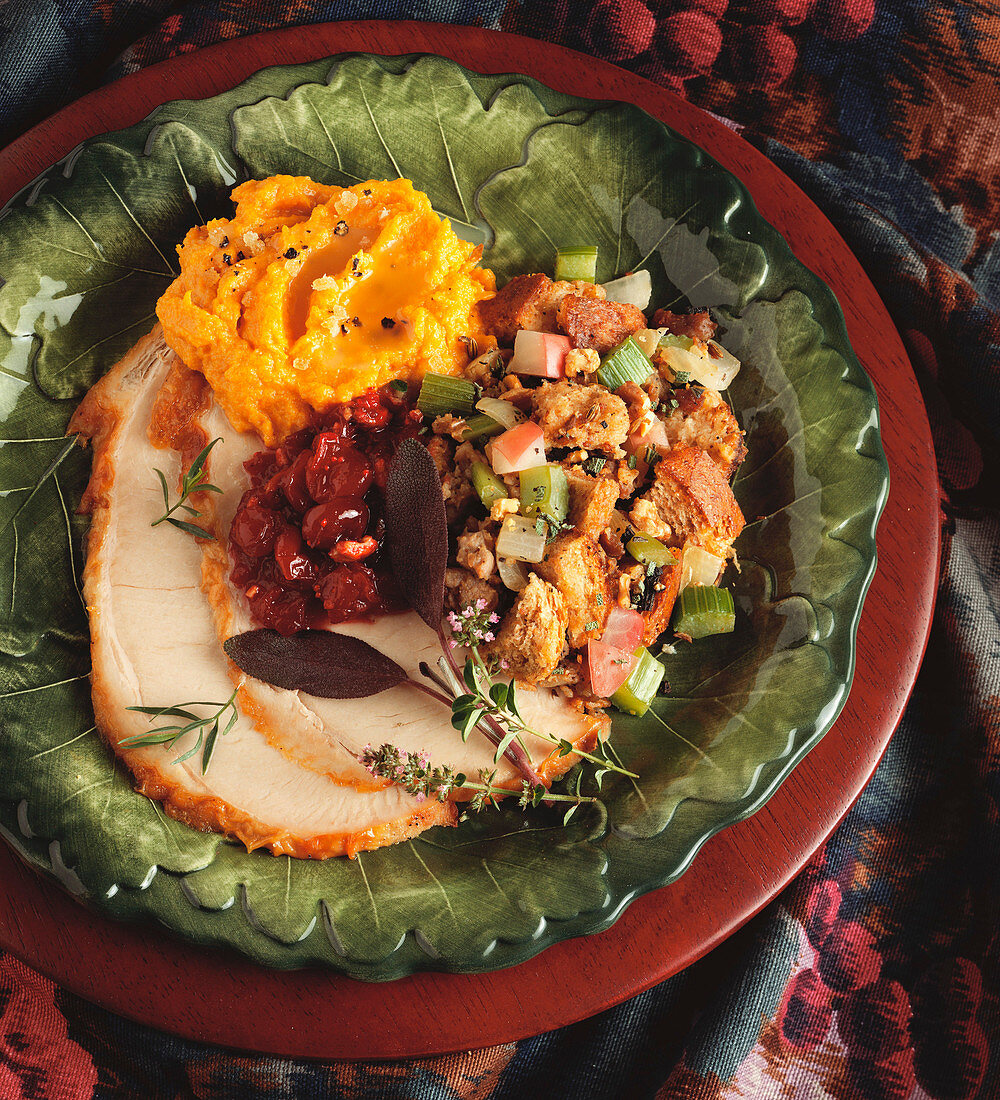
416, 530
318, 662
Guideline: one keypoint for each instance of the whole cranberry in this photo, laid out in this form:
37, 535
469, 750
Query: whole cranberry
294, 483
295, 564
336, 472
255, 526
348, 591
284, 611
291, 447
368, 411
260, 467
339, 518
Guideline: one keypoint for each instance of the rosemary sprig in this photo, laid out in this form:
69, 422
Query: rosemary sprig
208, 727
191, 482
413, 772
495, 701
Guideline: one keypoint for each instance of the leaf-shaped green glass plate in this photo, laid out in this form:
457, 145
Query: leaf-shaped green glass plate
84, 253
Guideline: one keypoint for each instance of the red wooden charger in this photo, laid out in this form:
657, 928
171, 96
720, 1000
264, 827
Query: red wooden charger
146, 974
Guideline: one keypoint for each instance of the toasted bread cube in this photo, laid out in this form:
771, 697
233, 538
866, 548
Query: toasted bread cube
703, 419
695, 501
594, 323
532, 637
531, 302
574, 415
591, 501
587, 580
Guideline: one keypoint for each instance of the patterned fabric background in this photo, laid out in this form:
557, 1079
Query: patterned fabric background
876, 973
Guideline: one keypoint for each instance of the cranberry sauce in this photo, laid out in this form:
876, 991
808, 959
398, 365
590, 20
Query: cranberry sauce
306, 540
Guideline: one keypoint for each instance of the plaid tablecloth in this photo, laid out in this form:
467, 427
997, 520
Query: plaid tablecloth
876, 973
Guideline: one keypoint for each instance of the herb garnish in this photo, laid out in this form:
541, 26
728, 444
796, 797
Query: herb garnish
496, 699
207, 727
194, 481
416, 530
413, 772
318, 662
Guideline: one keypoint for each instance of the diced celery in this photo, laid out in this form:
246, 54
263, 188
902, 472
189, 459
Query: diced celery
477, 427
639, 690
489, 487
545, 492
577, 263
672, 340
649, 551
703, 609
625, 363
441, 394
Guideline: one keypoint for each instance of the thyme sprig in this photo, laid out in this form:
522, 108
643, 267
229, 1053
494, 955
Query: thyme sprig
495, 701
208, 726
414, 773
193, 481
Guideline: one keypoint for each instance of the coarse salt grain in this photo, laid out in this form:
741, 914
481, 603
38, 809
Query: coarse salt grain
252, 242
346, 203
324, 282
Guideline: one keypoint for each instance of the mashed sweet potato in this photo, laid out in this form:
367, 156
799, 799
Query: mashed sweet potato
310, 295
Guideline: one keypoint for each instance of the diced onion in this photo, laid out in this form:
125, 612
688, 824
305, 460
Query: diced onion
631, 290
699, 567
722, 369
502, 411
519, 539
618, 522
648, 340
513, 573
695, 365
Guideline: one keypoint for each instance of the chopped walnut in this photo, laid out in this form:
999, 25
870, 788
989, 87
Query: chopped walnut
503, 507
581, 361
645, 517
449, 424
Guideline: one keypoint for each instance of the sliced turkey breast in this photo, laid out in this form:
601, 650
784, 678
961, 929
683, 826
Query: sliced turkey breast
154, 644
